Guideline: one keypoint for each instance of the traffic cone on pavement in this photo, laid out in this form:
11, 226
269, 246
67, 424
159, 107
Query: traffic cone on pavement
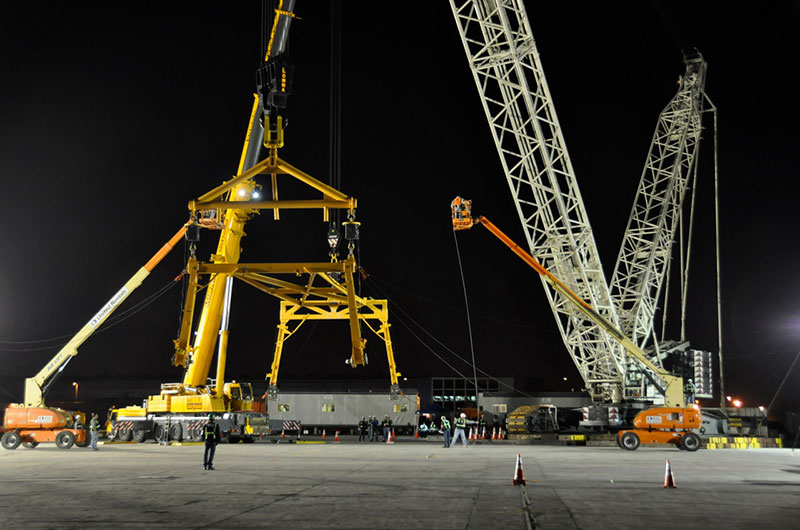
669, 480
483, 434
470, 437
416, 434
323, 434
390, 440
494, 433
283, 434
336, 437
519, 475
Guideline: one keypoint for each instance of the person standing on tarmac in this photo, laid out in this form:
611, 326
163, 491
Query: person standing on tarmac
211, 436
445, 424
461, 424
387, 427
94, 424
363, 425
373, 424
481, 426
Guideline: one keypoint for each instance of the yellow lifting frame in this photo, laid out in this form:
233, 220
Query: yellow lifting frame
368, 309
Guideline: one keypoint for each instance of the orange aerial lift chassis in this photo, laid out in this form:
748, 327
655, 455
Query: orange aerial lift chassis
32, 422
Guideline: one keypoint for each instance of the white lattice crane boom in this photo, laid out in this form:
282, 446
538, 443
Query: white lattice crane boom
505, 64
647, 245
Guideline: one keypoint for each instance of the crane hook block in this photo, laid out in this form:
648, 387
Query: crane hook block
193, 233
274, 81
351, 230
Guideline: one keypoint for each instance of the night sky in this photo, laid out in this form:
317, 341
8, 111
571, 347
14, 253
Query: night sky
112, 117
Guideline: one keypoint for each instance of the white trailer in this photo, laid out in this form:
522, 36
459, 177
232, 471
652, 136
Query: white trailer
343, 410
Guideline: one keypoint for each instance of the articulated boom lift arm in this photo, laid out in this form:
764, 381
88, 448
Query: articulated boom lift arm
37, 386
669, 385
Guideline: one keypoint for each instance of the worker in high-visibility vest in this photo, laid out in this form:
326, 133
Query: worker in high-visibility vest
387, 427
445, 424
94, 424
211, 436
363, 426
461, 425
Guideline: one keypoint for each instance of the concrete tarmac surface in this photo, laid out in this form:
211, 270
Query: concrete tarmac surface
412, 484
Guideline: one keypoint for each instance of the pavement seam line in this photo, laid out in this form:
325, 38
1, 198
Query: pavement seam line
527, 508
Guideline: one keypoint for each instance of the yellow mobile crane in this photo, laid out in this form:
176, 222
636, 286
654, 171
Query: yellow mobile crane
32, 421
328, 292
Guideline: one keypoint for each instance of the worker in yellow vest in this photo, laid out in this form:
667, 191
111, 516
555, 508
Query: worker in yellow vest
211, 436
461, 425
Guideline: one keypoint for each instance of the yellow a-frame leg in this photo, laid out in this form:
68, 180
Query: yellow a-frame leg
322, 310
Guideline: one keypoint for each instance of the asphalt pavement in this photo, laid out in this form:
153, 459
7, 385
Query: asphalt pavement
407, 485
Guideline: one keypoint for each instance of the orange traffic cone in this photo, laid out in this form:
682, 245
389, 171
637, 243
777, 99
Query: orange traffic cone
483, 434
323, 434
494, 433
390, 440
416, 434
470, 438
336, 437
283, 434
519, 475
669, 480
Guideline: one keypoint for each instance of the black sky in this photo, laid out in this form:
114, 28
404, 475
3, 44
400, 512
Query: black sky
113, 117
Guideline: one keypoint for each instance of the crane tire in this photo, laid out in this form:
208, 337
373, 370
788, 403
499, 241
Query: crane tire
11, 440
139, 435
158, 433
124, 435
690, 442
176, 432
630, 441
65, 440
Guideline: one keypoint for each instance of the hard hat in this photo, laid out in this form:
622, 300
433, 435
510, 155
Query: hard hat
463, 415
211, 416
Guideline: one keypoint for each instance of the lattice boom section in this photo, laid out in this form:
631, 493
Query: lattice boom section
505, 64
645, 252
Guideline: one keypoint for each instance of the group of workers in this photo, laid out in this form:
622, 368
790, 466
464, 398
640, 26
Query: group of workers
94, 426
460, 422
370, 428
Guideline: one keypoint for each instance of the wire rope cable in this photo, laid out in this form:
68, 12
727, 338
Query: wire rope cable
400, 310
469, 322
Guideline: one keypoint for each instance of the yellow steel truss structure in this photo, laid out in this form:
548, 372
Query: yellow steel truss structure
328, 292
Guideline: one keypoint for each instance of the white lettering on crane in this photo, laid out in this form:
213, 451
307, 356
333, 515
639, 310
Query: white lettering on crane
44, 419
111, 304
653, 419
